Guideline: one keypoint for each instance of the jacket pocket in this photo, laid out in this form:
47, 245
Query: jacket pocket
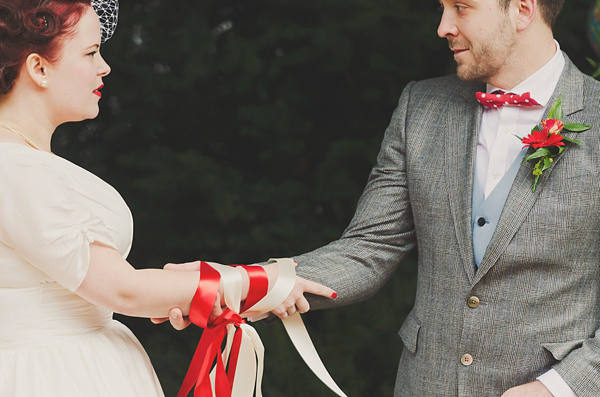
409, 332
559, 350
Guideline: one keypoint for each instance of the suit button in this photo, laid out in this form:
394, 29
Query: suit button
481, 221
473, 302
466, 360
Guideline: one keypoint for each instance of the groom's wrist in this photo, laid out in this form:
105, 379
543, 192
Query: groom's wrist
556, 384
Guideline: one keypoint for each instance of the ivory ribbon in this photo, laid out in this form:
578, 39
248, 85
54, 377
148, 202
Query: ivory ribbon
301, 340
243, 348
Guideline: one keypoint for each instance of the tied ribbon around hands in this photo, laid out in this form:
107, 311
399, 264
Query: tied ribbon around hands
213, 369
545, 141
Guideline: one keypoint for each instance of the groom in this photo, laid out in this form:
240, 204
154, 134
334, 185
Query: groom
508, 294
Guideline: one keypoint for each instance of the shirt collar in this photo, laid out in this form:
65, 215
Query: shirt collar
542, 83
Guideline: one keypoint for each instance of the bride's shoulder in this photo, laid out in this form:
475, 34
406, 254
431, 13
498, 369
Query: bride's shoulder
19, 160
14, 153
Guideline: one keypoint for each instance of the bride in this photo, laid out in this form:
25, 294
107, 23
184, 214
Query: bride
64, 233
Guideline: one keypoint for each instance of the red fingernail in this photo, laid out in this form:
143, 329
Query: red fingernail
334, 295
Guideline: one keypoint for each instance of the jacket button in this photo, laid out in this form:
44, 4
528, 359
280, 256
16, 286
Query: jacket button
466, 360
473, 302
481, 221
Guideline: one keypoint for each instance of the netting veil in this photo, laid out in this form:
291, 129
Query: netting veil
108, 12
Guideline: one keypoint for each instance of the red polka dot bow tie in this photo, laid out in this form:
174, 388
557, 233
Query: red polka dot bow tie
497, 99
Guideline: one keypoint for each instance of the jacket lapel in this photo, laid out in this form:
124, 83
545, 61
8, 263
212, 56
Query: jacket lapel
521, 199
463, 121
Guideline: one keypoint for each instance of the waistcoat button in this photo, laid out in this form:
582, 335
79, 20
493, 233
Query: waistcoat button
473, 302
466, 360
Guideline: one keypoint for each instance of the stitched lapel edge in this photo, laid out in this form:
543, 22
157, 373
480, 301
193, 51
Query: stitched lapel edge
463, 121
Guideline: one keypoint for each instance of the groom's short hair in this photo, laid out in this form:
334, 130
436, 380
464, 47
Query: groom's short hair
549, 9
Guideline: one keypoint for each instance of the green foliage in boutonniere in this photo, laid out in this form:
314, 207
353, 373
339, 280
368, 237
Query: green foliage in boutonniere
545, 141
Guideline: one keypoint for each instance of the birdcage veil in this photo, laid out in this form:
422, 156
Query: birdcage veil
108, 12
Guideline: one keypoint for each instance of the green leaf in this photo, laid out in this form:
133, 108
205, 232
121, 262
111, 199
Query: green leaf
592, 62
575, 141
556, 110
547, 163
535, 182
576, 127
541, 152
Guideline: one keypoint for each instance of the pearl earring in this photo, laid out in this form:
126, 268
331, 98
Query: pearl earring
44, 83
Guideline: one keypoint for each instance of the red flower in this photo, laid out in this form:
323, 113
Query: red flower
553, 126
544, 138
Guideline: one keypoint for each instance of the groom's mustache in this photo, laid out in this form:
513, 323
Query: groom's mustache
458, 45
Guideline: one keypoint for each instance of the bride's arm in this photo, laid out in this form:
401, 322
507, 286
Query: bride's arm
111, 282
296, 301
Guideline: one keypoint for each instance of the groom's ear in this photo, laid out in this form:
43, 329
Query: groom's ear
526, 12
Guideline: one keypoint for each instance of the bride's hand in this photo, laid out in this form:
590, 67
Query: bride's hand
296, 301
178, 321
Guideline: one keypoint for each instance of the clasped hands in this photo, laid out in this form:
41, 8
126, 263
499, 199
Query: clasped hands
295, 302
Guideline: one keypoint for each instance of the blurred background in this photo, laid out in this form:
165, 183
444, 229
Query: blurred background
242, 130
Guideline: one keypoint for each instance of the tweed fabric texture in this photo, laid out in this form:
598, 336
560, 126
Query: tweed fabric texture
539, 279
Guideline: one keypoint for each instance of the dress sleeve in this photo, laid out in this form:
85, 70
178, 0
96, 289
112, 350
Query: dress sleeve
45, 221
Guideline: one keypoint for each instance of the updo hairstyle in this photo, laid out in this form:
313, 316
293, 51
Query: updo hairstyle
33, 26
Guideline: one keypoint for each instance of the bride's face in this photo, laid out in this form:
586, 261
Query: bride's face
75, 79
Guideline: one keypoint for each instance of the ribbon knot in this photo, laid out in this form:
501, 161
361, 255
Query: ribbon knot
228, 317
209, 351
208, 356
498, 99
213, 367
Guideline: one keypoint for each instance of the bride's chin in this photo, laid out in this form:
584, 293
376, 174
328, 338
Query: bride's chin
91, 115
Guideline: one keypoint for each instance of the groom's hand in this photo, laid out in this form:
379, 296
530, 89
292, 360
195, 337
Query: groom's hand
533, 389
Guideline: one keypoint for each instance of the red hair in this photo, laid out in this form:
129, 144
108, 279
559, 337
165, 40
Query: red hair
33, 26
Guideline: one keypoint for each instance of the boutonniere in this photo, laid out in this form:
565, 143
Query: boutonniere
545, 141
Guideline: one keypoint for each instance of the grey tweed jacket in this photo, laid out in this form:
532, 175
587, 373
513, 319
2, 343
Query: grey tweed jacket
539, 281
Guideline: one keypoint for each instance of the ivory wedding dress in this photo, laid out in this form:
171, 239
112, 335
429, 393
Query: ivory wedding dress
52, 342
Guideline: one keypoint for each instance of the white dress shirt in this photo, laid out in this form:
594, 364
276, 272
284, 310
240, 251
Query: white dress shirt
498, 147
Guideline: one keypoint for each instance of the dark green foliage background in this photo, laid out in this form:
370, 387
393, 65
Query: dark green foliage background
241, 130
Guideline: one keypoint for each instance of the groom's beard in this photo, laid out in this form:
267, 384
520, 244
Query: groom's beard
485, 58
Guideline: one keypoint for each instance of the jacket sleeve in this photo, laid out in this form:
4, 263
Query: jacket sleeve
579, 358
381, 232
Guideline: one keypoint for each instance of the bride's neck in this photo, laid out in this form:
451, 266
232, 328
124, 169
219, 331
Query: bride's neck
27, 117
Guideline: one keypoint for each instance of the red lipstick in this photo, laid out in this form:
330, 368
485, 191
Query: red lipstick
97, 90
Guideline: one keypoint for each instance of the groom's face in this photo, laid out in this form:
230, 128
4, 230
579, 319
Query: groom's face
481, 35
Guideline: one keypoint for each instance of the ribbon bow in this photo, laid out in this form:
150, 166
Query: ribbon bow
213, 371
497, 99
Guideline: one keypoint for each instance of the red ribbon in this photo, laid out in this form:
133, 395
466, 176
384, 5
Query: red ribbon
258, 285
209, 347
